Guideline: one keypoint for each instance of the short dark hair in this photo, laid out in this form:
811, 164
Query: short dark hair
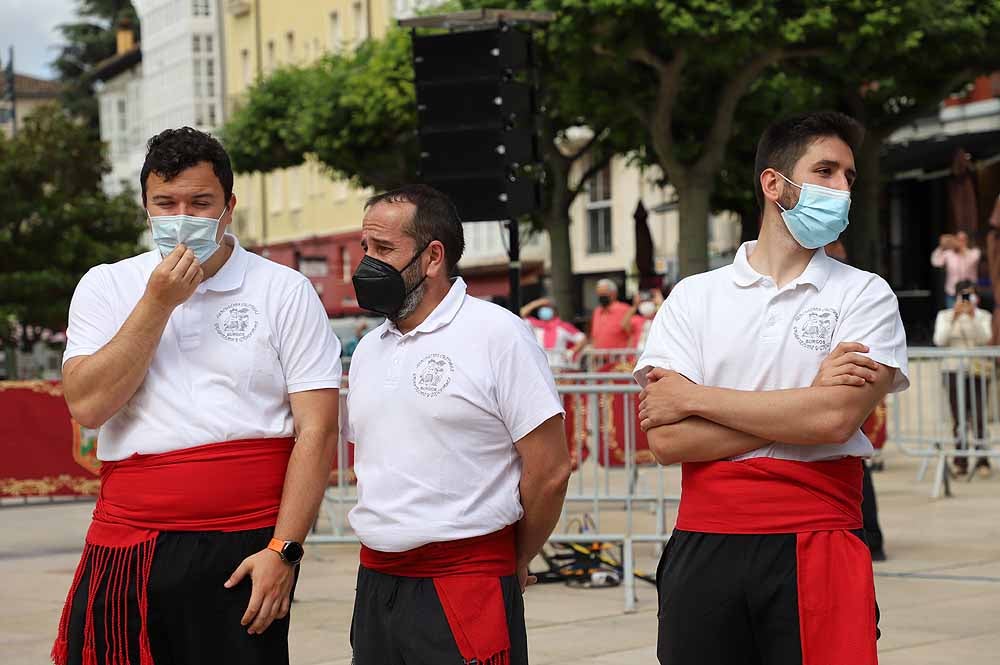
965, 285
175, 150
435, 218
784, 142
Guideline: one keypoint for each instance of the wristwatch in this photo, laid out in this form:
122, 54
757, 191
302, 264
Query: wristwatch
290, 551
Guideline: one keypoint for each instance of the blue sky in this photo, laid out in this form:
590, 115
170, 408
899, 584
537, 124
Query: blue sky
29, 26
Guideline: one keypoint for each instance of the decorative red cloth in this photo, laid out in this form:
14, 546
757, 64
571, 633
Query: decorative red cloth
466, 575
231, 486
820, 502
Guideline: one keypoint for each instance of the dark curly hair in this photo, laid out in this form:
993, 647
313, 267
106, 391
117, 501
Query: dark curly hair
175, 150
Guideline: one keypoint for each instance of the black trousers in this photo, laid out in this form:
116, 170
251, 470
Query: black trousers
192, 618
729, 600
869, 511
400, 621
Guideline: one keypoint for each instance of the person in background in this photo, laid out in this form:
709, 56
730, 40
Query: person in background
959, 260
993, 266
610, 323
559, 339
645, 305
352, 343
966, 326
869, 504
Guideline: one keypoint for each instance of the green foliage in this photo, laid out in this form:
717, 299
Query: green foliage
88, 41
55, 221
356, 113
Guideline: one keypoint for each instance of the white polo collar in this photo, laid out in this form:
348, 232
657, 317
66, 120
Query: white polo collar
230, 275
816, 273
442, 315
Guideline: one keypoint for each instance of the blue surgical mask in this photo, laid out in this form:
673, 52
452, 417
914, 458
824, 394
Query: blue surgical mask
819, 217
546, 313
197, 233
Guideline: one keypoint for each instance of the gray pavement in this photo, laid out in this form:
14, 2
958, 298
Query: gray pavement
939, 591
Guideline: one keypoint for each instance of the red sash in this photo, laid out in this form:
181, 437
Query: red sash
232, 486
821, 503
466, 575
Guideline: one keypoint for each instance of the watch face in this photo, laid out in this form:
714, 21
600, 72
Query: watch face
292, 552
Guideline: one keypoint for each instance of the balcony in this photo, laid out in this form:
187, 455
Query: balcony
237, 8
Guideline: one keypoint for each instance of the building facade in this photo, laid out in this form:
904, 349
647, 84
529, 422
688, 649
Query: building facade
29, 93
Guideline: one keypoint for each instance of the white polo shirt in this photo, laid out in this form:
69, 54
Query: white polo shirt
733, 328
434, 415
228, 358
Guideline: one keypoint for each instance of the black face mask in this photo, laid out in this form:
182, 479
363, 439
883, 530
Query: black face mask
604, 300
380, 288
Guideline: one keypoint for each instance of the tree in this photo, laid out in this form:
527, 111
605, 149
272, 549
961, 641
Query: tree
689, 65
356, 114
55, 223
908, 58
89, 40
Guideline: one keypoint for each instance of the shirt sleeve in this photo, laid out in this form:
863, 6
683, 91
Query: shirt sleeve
673, 342
308, 349
938, 257
525, 389
873, 320
91, 322
573, 333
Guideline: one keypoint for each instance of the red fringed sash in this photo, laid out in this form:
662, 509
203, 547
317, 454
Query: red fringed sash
231, 486
466, 576
820, 502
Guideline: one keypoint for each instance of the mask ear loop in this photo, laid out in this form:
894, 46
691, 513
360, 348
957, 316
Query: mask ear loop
790, 183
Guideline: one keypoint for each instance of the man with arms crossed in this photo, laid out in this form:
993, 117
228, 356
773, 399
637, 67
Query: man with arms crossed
460, 449
213, 376
767, 563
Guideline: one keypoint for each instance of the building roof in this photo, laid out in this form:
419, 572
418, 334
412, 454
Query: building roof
111, 67
29, 87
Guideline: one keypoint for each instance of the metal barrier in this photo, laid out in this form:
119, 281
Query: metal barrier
612, 501
950, 411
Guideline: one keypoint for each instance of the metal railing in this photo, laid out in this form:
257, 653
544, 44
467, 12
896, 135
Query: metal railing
616, 490
952, 410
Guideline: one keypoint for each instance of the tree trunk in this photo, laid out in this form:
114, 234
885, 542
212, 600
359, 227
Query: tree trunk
557, 225
694, 197
864, 238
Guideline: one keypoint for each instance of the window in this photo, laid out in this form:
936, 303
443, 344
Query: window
208, 43
599, 214
199, 115
201, 7
360, 23
211, 115
122, 116
270, 56
197, 78
290, 46
196, 44
210, 77
245, 65
345, 263
335, 36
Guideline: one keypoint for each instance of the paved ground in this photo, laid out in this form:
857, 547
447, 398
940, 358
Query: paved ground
939, 591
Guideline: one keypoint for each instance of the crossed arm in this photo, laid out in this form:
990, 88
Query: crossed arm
686, 422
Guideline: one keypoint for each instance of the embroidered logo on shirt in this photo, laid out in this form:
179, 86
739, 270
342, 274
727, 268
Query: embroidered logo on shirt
236, 322
433, 374
814, 328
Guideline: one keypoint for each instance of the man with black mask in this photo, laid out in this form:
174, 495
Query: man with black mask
460, 450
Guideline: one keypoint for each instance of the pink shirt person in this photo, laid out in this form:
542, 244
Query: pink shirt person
959, 261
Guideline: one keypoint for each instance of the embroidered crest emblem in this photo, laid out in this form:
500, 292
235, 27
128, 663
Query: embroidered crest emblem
433, 374
814, 328
236, 322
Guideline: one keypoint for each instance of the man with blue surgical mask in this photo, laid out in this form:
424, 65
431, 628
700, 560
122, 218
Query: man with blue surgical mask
757, 378
213, 376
